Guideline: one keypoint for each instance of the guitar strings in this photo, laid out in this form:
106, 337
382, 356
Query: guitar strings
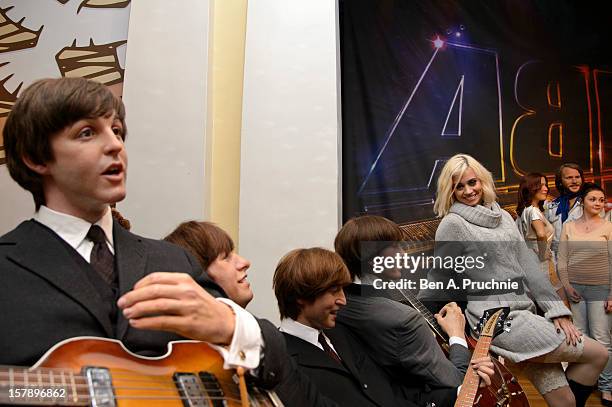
423, 310
228, 387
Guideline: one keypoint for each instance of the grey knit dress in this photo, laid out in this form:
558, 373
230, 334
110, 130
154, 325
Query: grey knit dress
530, 335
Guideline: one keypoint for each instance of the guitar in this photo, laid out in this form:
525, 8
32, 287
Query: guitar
504, 391
492, 324
99, 372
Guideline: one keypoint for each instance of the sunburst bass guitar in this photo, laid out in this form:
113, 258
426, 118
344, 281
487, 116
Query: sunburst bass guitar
97, 372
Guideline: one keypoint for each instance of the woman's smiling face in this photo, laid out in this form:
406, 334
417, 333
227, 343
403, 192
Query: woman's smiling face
468, 190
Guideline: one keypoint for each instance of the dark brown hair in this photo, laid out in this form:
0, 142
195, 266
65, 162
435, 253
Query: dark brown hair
590, 186
205, 240
42, 110
559, 175
529, 185
368, 228
305, 274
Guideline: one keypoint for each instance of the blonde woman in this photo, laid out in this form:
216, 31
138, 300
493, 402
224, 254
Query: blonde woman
466, 201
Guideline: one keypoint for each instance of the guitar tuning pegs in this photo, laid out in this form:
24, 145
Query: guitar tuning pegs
508, 324
509, 318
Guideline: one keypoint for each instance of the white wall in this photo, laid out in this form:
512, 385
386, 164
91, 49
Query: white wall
16, 204
165, 93
289, 191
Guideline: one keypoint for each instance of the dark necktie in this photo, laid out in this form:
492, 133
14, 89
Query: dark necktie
328, 349
102, 260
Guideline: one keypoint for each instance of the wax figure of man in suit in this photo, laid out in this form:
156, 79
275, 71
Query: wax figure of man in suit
214, 250
395, 334
308, 287
64, 142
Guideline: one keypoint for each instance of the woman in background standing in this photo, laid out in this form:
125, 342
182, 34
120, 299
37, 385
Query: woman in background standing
585, 268
537, 231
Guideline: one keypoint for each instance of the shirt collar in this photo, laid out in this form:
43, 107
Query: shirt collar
72, 229
302, 331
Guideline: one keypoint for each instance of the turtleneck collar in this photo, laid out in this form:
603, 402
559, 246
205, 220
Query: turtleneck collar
479, 215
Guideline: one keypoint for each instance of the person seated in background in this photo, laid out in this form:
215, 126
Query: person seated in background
214, 250
73, 271
395, 334
308, 284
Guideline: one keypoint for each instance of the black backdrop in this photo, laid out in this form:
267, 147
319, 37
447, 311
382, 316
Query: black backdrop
520, 85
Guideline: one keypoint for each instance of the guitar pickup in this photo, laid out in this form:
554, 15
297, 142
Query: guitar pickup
200, 390
100, 386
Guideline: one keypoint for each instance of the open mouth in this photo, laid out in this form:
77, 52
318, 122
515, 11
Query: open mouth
114, 169
243, 279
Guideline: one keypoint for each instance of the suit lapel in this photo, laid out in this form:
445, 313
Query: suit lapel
130, 260
39, 250
309, 355
344, 350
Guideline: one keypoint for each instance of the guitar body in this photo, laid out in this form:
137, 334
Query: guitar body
190, 370
504, 391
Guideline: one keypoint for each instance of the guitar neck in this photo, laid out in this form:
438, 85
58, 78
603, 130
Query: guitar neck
469, 388
406, 296
43, 387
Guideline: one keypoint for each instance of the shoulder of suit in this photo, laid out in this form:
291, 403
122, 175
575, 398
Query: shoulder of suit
22, 231
386, 312
156, 244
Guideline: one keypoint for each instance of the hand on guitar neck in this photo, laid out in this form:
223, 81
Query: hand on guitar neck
451, 320
484, 368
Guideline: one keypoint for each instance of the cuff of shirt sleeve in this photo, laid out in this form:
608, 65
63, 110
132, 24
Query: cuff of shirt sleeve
247, 342
457, 340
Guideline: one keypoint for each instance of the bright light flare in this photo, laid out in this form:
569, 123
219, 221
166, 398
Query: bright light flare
438, 42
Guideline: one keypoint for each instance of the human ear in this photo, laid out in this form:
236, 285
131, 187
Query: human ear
40, 169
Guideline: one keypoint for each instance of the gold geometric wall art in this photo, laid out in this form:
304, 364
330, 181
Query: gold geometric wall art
103, 4
98, 62
7, 100
14, 36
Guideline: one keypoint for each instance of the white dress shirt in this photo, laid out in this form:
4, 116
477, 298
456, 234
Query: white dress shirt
304, 332
247, 342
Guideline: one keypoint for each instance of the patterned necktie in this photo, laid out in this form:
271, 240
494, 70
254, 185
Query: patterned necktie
328, 349
102, 260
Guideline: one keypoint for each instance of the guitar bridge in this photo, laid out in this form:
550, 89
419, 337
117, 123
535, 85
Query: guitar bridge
100, 387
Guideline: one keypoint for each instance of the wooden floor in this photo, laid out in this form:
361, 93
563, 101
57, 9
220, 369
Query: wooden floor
535, 400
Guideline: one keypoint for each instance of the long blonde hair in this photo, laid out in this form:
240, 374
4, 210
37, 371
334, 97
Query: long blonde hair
453, 170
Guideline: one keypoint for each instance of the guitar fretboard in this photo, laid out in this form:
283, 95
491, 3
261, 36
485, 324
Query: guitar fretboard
469, 388
42, 386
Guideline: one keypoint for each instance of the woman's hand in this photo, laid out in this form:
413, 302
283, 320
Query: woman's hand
572, 294
572, 334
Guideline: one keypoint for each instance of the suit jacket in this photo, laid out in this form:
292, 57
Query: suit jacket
45, 298
398, 338
358, 381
